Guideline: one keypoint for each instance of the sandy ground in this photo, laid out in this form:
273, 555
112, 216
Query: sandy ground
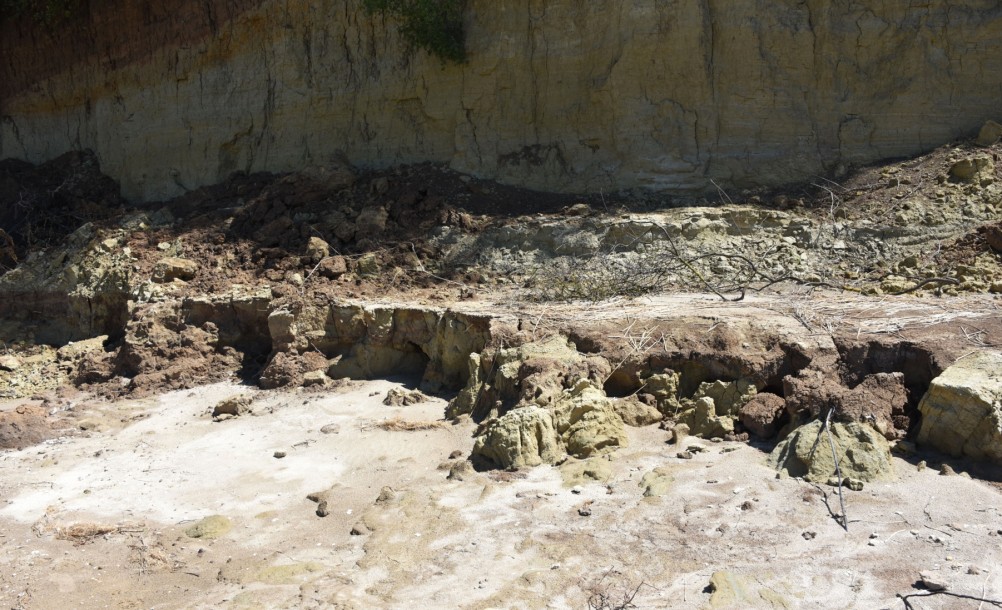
99, 520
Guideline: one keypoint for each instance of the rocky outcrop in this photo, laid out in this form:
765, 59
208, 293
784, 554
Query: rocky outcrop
534, 373
538, 403
962, 411
557, 95
862, 452
367, 342
714, 409
520, 438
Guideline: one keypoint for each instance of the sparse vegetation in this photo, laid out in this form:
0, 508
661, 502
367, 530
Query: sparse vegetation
433, 25
41, 11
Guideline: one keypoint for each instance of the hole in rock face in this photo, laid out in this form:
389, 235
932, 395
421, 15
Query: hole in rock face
584, 343
917, 364
622, 383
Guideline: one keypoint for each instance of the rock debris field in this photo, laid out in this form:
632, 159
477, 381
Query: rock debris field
353, 389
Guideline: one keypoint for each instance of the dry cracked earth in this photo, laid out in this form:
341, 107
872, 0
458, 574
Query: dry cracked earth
349, 389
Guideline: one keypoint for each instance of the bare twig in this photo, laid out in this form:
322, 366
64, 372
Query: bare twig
838, 469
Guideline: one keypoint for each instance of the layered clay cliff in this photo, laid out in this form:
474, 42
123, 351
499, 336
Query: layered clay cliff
557, 95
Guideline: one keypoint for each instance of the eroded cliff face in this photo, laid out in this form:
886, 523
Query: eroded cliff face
557, 95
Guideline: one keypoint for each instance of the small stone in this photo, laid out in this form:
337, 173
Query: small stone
695, 449
455, 454
747, 505
459, 470
684, 455
386, 494
853, 484
315, 378
974, 570
874, 535
317, 249
232, 407
172, 268
279, 454
932, 581
359, 529
947, 471
330, 429
809, 535
679, 433
921, 466
322, 509
578, 209
585, 511
576, 490
333, 267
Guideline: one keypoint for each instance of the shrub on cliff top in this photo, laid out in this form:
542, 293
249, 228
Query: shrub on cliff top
433, 25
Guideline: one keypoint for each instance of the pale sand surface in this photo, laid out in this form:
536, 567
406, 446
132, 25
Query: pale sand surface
490, 540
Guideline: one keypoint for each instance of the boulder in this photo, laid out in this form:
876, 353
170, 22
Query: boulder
989, 134
317, 249
172, 268
881, 399
333, 267
534, 373
962, 410
315, 378
635, 413
400, 397
979, 170
74, 351
9, 363
664, 388
863, 453
657, 482
704, 422
762, 414
521, 438
714, 409
233, 406
587, 422
580, 472
371, 221
728, 396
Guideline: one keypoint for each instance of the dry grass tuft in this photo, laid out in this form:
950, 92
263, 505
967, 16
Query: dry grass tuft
81, 533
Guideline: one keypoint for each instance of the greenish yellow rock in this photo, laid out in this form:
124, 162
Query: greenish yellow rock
635, 413
521, 438
962, 410
657, 482
288, 574
576, 472
586, 421
664, 387
730, 591
210, 527
728, 396
863, 453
